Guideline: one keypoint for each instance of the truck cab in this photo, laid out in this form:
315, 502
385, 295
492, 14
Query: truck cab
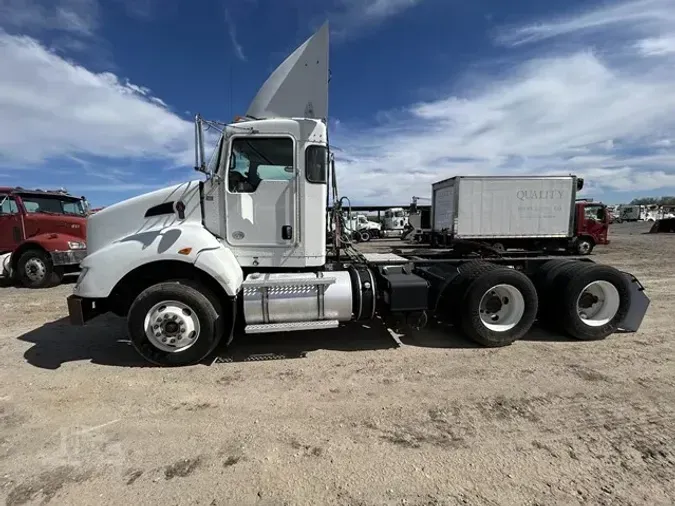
395, 221
591, 226
42, 235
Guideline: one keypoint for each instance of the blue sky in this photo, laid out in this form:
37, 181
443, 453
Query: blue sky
98, 95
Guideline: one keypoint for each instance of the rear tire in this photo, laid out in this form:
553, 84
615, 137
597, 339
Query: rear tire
590, 301
543, 282
197, 311
499, 307
453, 293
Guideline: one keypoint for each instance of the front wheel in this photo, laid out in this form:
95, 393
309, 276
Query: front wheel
583, 246
36, 270
175, 323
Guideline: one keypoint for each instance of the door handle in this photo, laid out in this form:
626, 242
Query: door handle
287, 232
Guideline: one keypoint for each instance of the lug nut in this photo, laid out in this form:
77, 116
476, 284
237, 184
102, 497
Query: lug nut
172, 341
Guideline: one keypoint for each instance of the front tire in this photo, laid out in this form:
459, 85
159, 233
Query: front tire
175, 323
583, 246
36, 270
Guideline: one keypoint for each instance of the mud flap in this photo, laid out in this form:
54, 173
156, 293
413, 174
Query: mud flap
639, 303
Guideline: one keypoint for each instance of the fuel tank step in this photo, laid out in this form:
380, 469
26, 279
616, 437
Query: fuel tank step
264, 328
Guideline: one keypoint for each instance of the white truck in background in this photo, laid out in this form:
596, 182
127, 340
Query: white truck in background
359, 227
395, 222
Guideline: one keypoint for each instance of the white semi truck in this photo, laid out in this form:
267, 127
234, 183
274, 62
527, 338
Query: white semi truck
244, 251
395, 222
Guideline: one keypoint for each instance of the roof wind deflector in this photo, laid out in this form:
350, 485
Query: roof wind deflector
298, 88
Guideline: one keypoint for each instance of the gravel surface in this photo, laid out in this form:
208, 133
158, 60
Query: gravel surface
353, 420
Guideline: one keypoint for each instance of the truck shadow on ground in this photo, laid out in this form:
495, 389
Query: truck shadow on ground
292, 345
104, 342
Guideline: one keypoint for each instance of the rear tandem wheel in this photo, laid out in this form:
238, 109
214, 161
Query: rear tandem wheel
493, 305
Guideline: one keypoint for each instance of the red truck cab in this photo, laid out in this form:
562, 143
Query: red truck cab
44, 233
591, 226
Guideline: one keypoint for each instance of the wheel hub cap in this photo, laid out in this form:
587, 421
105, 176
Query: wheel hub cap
501, 308
598, 303
171, 326
35, 269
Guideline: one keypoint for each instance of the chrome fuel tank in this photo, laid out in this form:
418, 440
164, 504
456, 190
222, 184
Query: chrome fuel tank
297, 297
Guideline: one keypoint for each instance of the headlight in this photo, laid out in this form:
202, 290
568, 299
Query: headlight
76, 245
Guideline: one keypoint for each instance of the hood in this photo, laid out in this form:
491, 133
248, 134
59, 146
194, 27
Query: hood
145, 213
75, 226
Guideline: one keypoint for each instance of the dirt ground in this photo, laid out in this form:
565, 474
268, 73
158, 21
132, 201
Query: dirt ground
347, 417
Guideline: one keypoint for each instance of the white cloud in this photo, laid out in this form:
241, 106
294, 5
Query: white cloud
658, 46
600, 114
636, 16
350, 17
232, 31
52, 108
78, 17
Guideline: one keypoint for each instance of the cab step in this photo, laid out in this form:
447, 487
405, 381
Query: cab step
264, 328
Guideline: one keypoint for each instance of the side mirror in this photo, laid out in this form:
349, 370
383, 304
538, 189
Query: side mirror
200, 159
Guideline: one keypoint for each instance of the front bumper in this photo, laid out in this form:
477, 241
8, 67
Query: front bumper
81, 310
68, 257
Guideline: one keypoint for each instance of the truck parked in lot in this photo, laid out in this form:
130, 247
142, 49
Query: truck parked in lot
42, 235
518, 212
395, 222
191, 265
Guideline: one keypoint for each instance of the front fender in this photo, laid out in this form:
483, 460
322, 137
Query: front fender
103, 269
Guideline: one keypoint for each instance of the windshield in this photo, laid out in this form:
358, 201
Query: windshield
53, 204
594, 212
399, 214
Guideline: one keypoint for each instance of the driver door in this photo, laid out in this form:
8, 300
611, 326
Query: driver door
261, 191
10, 224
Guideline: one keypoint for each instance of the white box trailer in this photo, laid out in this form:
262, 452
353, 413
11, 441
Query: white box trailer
505, 210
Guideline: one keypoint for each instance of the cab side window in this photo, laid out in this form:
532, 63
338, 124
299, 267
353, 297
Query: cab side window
8, 205
256, 159
591, 213
316, 164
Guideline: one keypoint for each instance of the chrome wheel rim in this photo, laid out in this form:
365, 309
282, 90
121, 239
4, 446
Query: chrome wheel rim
35, 269
171, 326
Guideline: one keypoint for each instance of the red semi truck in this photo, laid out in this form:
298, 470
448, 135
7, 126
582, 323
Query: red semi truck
42, 235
